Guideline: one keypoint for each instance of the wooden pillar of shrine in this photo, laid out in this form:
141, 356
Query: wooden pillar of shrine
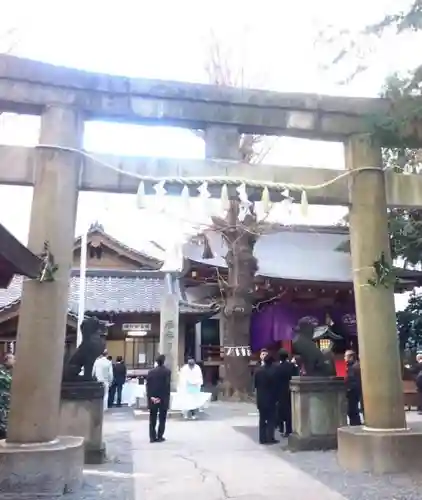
34, 412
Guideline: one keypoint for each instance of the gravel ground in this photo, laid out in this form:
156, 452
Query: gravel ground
323, 466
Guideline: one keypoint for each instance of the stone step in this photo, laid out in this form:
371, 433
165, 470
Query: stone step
144, 414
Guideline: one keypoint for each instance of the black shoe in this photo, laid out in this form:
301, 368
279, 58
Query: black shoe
286, 434
160, 440
153, 440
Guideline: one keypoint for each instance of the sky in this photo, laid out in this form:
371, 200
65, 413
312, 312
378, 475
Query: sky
277, 44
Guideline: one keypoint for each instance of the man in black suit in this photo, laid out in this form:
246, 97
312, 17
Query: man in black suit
353, 387
119, 380
266, 400
158, 396
285, 370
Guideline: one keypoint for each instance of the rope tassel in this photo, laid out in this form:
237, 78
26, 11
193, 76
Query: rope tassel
225, 201
140, 195
203, 191
243, 195
304, 205
265, 200
185, 198
159, 188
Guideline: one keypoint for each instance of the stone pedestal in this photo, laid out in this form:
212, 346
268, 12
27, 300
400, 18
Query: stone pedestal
41, 470
141, 403
318, 410
81, 414
380, 451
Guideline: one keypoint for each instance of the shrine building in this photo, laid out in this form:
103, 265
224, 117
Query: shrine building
303, 272
124, 287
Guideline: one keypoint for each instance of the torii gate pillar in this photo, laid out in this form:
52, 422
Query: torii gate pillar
34, 461
384, 444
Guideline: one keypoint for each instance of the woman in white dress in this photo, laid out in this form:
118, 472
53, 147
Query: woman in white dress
190, 383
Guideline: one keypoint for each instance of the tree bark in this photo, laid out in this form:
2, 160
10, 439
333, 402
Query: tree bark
239, 295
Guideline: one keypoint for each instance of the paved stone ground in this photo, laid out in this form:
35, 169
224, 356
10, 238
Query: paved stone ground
218, 458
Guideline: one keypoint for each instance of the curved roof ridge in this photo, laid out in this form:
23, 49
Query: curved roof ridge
99, 228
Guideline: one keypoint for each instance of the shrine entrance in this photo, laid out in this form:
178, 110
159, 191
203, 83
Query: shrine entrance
58, 169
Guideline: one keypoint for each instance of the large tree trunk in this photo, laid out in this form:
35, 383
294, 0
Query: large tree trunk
242, 266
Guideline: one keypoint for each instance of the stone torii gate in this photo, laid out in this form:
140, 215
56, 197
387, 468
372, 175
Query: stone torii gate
64, 98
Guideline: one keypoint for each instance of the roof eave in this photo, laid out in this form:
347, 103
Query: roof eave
132, 311
21, 259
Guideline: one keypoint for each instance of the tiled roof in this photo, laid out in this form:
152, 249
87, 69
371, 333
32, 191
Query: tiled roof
296, 253
290, 253
112, 291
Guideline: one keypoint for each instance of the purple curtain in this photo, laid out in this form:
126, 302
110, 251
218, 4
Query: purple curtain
346, 317
262, 329
275, 322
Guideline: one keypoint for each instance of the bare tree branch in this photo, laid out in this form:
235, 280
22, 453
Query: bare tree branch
224, 70
9, 39
240, 232
354, 48
401, 21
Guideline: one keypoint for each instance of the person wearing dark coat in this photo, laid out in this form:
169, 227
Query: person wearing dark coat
285, 370
266, 400
158, 395
417, 372
353, 388
119, 380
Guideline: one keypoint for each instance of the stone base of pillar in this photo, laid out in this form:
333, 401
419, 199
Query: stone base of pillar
380, 451
82, 414
41, 470
141, 403
144, 414
318, 410
95, 455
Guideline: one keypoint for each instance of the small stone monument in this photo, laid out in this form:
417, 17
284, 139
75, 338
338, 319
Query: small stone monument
82, 409
318, 399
